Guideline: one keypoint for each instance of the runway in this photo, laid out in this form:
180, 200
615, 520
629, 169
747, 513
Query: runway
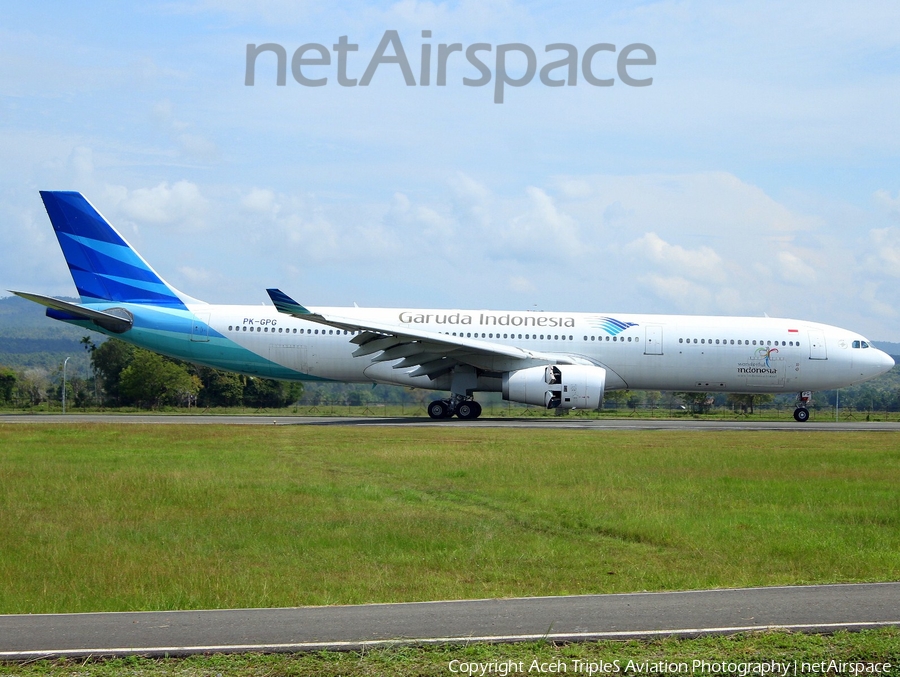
562, 422
823, 608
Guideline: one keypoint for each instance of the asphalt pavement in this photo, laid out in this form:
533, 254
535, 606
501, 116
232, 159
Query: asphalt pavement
820, 608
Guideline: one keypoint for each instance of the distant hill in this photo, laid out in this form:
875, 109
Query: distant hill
29, 339
888, 347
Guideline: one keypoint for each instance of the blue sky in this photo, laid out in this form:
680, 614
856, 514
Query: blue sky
759, 173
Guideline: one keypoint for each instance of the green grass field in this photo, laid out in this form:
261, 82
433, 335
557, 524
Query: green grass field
723, 656
103, 517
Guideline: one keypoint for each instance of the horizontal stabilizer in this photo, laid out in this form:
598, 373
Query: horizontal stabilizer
116, 320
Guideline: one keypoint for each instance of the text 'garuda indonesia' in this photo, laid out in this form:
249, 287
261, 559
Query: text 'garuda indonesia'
311, 64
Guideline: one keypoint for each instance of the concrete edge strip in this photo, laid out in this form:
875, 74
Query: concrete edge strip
387, 643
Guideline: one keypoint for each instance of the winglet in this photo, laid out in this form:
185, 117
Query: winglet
285, 304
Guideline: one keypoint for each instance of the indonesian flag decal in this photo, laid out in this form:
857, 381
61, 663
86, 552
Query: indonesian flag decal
793, 331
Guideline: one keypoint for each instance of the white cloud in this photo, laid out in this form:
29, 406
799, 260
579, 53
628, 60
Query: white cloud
180, 204
889, 203
794, 271
885, 244
521, 284
541, 231
686, 295
702, 264
260, 201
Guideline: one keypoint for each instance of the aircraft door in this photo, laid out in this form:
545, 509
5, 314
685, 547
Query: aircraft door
653, 342
200, 328
817, 349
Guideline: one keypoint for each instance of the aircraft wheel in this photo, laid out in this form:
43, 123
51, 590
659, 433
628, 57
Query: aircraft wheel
468, 410
801, 414
439, 409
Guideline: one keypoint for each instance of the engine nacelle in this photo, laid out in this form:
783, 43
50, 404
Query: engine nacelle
564, 386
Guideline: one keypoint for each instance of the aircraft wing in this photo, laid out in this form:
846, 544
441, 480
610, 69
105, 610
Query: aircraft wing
431, 353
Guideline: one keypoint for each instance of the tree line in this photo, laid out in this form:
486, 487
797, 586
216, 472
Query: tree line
123, 375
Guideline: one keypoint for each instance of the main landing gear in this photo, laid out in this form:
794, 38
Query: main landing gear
465, 409
801, 413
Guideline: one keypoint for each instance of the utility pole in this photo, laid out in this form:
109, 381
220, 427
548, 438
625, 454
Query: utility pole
65, 362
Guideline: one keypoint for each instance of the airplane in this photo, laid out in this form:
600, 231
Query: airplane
558, 360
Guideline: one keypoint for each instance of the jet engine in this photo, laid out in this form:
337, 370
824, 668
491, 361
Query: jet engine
564, 386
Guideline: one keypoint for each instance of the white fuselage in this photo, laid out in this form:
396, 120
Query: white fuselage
641, 352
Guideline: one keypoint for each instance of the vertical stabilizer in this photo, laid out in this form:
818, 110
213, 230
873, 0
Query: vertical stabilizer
103, 265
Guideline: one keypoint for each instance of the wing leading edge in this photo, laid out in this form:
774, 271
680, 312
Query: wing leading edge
431, 354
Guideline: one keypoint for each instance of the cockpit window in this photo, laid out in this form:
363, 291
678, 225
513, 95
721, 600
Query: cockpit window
865, 345
856, 344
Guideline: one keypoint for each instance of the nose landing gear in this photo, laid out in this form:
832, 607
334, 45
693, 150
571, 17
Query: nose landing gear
801, 413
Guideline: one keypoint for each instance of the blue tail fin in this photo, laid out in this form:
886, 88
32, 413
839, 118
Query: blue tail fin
103, 265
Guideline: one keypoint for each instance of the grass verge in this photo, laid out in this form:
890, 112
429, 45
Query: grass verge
97, 517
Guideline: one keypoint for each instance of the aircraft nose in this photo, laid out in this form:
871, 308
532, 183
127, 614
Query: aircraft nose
886, 362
